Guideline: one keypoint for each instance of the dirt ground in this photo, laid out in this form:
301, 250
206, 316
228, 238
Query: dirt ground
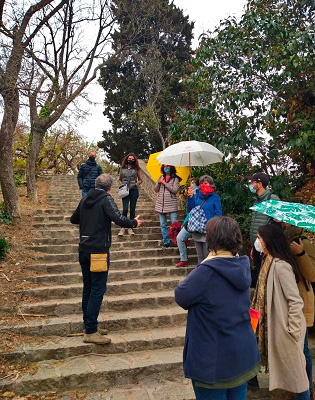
13, 269
13, 272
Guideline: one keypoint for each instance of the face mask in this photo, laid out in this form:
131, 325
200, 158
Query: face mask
92, 158
206, 189
167, 170
258, 246
194, 187
251, 188
131, 162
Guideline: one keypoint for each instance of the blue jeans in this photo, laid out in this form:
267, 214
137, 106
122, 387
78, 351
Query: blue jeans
132, 198
84, 191
236, 393
94, 288
303, 396
308, 359
182, 236
164, 227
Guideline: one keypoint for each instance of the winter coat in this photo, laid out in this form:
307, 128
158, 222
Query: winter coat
130, 176
306, 271
286, 330
87, 174
167, 196
220, 343
211, 205
95, 213
211, 208
259, 219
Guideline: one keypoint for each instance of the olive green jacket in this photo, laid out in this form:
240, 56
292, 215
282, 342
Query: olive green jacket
259, 219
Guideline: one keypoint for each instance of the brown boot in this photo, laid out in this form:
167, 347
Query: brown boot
96, 338
102, 331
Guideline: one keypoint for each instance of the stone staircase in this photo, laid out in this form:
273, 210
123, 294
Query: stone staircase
147, 328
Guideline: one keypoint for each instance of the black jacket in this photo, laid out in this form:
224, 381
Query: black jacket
95, 213
87, 174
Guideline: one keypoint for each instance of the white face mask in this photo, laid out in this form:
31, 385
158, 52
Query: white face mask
258, 246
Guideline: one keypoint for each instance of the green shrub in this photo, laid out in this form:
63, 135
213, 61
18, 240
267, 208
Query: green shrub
20, 179
5, 217
3, 248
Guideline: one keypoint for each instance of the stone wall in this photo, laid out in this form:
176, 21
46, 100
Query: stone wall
148, 186
148, 183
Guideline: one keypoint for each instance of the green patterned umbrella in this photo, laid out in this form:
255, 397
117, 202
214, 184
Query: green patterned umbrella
301, 215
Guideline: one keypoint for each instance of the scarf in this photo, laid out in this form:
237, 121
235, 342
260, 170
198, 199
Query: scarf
205, 189
259, 303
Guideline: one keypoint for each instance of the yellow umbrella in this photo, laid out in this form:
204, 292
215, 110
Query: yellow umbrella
154, 169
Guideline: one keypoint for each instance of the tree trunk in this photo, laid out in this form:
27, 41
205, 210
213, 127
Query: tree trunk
35, 146
162, 138
9, 121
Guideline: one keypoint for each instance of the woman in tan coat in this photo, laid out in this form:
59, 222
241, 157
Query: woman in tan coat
304, 252
282, 326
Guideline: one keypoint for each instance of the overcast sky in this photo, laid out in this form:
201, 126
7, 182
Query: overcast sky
205, 13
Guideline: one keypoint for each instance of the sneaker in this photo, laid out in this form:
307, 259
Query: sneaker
181, 264
121, 232
96, 338
166, 245
130, 231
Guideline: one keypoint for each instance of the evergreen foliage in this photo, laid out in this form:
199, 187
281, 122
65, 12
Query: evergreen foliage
143, 80
255, 81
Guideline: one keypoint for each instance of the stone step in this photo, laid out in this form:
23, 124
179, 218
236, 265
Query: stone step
73, 247
115, 275
138, 318
110, 303
147, 224
72, 237
142, 285
149, 388
97, 371
57, 214
74, 201
147, 215
131, 254
167, 260
73, 231
59, 348
118, 245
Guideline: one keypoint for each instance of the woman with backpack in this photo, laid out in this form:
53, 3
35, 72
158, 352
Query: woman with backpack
209, 205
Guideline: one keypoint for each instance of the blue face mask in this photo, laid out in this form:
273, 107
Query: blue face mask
167, 170
194, 187
251, 188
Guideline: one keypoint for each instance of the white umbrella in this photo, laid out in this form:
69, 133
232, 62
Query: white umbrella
190, 153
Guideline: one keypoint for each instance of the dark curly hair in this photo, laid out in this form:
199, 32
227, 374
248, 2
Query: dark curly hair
124, 161
172, 170
223, 233
277, 245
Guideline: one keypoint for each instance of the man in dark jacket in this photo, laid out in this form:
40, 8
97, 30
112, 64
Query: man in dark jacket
258, 185
95, 213
88, 172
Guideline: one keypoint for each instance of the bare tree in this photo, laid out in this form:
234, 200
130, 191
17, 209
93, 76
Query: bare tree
17, 30
64, 62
